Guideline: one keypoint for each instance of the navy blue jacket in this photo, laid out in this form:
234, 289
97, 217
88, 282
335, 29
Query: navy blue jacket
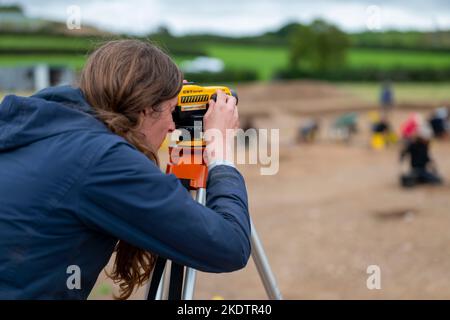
69, 189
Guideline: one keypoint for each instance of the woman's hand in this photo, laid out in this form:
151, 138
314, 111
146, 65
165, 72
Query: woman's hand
220, 124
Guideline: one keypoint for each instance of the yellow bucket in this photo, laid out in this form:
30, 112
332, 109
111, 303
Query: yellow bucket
377, 142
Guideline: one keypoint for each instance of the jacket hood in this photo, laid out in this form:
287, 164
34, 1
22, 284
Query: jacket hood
52, 111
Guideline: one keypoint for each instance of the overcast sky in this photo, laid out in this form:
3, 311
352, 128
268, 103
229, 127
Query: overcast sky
244, 17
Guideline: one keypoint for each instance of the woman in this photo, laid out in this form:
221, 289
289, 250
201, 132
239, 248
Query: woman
80, 178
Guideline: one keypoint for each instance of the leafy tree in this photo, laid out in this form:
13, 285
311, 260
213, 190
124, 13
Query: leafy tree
321, 46
11, 8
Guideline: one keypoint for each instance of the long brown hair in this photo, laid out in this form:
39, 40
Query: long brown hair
120, 80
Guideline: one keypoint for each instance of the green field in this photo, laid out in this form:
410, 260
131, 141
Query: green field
265, 60
44, 42
403, 92
71, 61
387, 59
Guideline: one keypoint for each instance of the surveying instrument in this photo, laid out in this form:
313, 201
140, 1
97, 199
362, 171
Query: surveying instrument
176, 282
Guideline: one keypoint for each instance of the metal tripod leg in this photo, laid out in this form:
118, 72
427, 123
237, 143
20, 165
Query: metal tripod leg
263, 267
162, 288
258, 255
191, 274
259, 258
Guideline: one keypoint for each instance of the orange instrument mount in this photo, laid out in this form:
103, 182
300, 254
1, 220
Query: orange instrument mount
186, 162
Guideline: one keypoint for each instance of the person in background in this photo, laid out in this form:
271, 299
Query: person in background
386, 97
439, 123
422, 167
382, 133
308, 130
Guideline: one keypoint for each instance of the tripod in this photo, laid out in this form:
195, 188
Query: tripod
193, 175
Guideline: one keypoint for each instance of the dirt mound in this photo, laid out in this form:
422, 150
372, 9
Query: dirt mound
296, 97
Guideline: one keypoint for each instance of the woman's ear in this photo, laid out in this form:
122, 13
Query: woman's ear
146, 112
142, 116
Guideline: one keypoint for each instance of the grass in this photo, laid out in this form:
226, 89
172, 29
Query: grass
265, 60
387, 59
403, 92
268, 59
73, 61
43, 42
